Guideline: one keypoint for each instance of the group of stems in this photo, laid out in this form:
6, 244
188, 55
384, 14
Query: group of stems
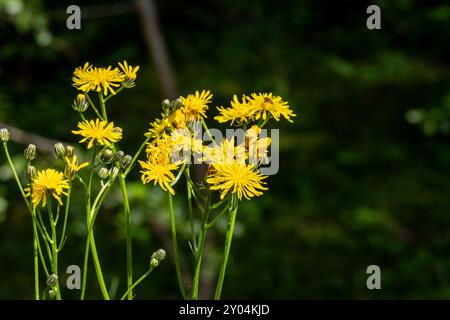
197, 242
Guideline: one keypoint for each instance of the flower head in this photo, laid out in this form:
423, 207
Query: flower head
238, 178
239, 111
72, 166
159, 170
48, 182
129, 72
194, 106
263, 104
90, 78
98, 131
225, 152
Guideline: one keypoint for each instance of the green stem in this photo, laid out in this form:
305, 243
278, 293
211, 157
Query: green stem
54, 248
175, 247
112, 95
36, 258
145, 275
228, 238
93, 106
207, 131
102, 106
126, 206
216, 218
199, 253
190, 211
136, 156
66, 215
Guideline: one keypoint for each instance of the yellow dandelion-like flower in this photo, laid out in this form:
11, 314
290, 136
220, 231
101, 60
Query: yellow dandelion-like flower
183, 140
225, 152
129, 71
239, 112
178, 119
257, 147
158, 127
262, 104
98, 131
90, 78
73, 166
194, 106
237, 178
47, 182
159, 170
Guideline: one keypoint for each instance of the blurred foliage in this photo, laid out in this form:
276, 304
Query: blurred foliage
359, 182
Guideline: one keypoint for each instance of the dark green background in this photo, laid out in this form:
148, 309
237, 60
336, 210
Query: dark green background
364, 173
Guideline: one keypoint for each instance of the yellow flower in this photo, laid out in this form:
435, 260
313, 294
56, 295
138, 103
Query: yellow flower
262, 104
158, 127
73, 166
129, 71
48, 182
90, 78
257, 147
178, 119
182, 140
98, 131
239, 111
225, 152
195, 105
237, 178
159, 170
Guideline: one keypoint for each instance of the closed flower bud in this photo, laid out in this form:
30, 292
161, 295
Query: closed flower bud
118, 156
125, 162
52, 280
118, 130
157, 257
80, 104
69, 152
52, 293
113, 172
30, 152
176, 104
31, 173
60, 151
103, 173
165, 105
4, 134
106, 156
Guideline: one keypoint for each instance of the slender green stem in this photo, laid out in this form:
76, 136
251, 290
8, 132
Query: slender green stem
102, 106
207, 131
216, 218
265, 121
127, 212
200, 248
66, 215
228, 238
136, 156
175, 247
36, 258
145, 275
97, 267
190, 211
93, 106
54, 246
112, 95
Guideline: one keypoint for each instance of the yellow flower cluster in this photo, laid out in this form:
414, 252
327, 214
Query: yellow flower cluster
228, 170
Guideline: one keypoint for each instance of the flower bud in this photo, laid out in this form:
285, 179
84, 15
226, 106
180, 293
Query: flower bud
69, 152
103, 173
165, 105
30, 152
52, 280
113, 172
118, 130
80, 103
125, 162
106, 156
52, 294
176, 104
118, 156
157, 257
4, 134
59, 150
31, 173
